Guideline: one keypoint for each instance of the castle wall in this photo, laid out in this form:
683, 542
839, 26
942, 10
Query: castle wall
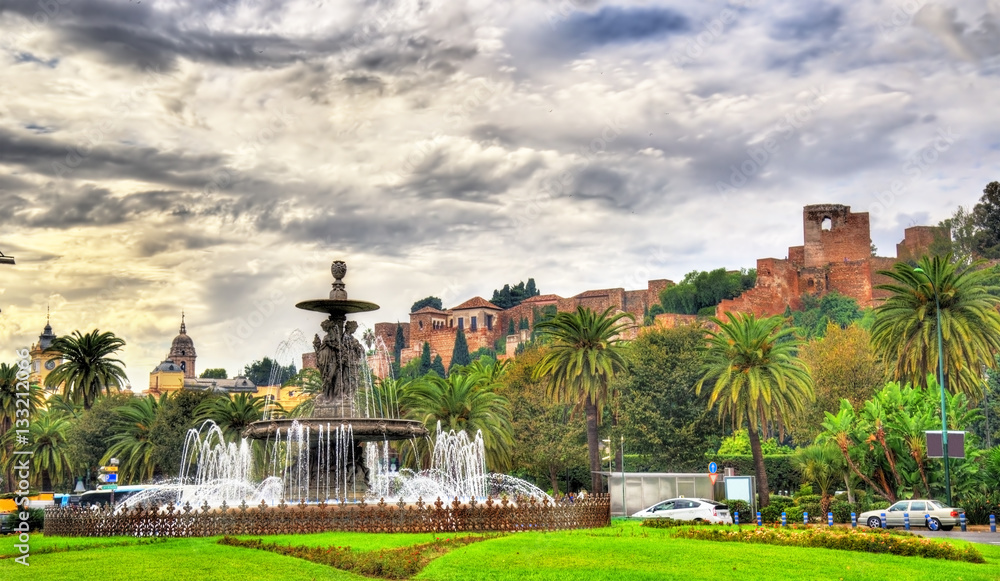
917, 241
849, 236
777, 288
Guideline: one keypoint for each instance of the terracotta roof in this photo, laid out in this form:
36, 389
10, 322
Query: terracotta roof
476, 303
594, 293
541, 299
430, 309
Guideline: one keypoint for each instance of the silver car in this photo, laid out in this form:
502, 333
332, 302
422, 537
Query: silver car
922, 513
696, 509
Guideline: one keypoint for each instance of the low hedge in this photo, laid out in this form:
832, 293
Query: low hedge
978, 507
669, 523
862, 540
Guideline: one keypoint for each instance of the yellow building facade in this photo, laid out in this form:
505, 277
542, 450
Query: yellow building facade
42, 362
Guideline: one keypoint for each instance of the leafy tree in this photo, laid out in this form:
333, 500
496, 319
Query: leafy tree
425, 359
987, 218
214, 373
432, 301
463, 403
87, 370
844, 366
488, 352
987, 427
437, 366
548, 443
818, 312
133, 444
701, 290
510, 327
175, 416
964, 236
756, 379
661, 417
267, 371
583, 357
460, 353
89, 437
307, 381
905, 329
233, 415
509, 296
738, 444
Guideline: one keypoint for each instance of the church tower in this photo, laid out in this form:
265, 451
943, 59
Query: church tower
42, 363
182, 352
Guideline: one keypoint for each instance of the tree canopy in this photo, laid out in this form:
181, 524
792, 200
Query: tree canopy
511, 296
214, 373
700, 290
267, 371
431, 301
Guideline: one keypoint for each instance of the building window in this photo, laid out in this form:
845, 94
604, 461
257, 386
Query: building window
489, 322
183, 366
461, 323
827, 224
472, 327
421, 325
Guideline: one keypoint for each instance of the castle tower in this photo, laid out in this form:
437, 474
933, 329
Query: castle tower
182, 352
832, 233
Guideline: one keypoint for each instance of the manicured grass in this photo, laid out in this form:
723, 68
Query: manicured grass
621, 552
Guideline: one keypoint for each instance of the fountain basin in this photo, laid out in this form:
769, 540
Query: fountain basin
337, 306
362, 429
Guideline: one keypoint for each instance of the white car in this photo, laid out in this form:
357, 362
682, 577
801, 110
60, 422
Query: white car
932, 514
696, 509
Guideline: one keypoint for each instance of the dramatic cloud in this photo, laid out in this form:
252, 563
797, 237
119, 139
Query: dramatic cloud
214, 157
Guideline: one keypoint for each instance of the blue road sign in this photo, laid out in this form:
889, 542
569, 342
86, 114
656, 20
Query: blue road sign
713, 467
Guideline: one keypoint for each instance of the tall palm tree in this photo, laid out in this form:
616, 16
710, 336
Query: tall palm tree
756, 378
905, 327
462, 403
133, 444
822, 464
584, 354
88, 370
232, 415
32, 400
49, 447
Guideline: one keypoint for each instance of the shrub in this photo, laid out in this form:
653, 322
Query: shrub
782, 501
770, 513
669, 523
978, 507
805, 489
866, 540
793, 514
741, 506
36, 519
842, 511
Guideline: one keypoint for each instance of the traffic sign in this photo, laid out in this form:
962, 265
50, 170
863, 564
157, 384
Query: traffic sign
713, 477
713, 468
108, 477
108, 487
109, 469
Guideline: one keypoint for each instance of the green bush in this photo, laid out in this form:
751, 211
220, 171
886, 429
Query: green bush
36, 519
782, 501
741, 506
978, 507
770, 513
793, 514
669, 523
842, 510
805, 489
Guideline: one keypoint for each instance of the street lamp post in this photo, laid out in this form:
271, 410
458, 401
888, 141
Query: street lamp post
944, 415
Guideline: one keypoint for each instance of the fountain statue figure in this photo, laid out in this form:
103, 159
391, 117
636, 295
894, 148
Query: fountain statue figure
336, 414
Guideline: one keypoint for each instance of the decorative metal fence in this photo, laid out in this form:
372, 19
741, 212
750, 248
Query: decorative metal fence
420, 517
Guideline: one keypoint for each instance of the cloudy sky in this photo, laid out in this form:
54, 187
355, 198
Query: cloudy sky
214, 157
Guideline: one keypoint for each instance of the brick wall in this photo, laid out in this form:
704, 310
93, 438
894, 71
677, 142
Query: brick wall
852, 279
777, 287
917, 241
849, 235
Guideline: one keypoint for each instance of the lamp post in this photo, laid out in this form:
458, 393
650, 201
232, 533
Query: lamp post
944, 415
611, 456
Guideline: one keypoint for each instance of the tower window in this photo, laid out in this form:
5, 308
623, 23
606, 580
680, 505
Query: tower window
827, 223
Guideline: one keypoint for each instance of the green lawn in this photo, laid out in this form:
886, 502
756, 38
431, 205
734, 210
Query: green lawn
623, 551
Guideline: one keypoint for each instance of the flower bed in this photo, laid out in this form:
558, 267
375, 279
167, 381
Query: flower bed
400, 563
863, 540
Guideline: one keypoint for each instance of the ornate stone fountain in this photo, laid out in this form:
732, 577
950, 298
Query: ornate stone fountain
339, 358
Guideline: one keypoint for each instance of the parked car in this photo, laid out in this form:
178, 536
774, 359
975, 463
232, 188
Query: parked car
696, 509
923, 513
99, 498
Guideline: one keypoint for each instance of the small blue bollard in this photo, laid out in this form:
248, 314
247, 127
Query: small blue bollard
854, 520
906, 520
961, 521
993, 523
736, 518
930, 524
829, 519
758, 518
805, 517
883, 521
784, 520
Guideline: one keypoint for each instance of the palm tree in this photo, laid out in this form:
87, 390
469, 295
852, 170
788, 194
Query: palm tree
232, 415
31, 401
133, 444
905, 327
756, 379
87, 370
49, 447
462, 403
822, 464
584, 355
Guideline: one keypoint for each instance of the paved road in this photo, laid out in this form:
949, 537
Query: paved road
972, 536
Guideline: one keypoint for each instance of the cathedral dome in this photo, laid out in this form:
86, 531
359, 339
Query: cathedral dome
182, 345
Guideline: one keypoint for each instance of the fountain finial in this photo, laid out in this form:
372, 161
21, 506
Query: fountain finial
339, 270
